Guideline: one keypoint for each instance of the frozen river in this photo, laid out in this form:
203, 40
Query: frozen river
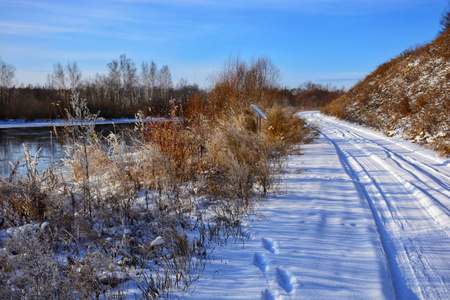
12, 139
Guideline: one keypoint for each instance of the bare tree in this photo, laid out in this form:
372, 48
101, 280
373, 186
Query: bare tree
129, 79
49, 83
267, 74
114, 80
445, 20
153, 78
182, 84
239, 83
73, 75
145, 78
248, 80
149, 79
59, 76
123, 79
7, 73
100, 88
165, 82
184, 90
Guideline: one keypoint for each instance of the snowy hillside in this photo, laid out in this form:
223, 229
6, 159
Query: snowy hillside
408, 96
359, 216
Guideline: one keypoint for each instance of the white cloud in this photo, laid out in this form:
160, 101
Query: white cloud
347, 79
33, 29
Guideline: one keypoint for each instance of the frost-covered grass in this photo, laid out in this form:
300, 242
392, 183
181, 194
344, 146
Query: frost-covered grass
362, 216
139, 220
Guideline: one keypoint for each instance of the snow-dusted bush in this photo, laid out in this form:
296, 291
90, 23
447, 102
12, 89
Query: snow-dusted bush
143, 213
25, 196
31, 270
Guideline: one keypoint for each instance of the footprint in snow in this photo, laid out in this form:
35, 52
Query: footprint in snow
285, 280
270, 245
267, 295
260, 261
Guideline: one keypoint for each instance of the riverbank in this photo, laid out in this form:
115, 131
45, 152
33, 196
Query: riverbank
144, 217
51, 123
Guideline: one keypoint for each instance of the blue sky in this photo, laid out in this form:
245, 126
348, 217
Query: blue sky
324, 41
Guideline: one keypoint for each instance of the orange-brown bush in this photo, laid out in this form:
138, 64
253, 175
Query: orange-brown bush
335, 108
239, 84
236, 160
283, 128
217, 145
182, 146
98, 160
106, 213
23, 200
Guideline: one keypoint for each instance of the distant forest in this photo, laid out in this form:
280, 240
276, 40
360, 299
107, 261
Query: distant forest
125, 89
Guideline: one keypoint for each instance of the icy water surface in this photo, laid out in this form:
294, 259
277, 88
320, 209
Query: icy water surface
52, 150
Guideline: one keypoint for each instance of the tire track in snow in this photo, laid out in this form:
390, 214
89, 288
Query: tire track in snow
423, 169
425, 182
436, 177
404, 226
430, 203
398, 282
430, 183
439, 160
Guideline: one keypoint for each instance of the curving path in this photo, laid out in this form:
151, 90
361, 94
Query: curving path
358, 216
408, 191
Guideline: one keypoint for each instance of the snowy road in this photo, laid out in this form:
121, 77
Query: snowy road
359, 216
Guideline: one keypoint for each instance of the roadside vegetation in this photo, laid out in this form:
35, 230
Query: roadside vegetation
126, 89
144, 217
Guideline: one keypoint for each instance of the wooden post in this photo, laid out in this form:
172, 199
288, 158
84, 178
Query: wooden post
259, 116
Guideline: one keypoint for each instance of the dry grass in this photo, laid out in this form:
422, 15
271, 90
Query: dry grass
283, 128
410, 94
147, 211
235, 159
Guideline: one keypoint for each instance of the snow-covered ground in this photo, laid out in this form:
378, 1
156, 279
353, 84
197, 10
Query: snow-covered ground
358, 216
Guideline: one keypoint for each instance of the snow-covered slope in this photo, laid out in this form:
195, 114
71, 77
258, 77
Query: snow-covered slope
358, 216
407, 96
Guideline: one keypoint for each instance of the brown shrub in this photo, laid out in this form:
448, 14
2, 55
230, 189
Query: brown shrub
98, 161
283, 127
236, 159
181, 146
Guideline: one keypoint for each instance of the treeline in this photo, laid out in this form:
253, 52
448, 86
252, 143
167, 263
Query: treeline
33, 103
121, 92
310, 96
126, 89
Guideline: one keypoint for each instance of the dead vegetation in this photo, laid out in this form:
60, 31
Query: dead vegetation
146, 214
407, 96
